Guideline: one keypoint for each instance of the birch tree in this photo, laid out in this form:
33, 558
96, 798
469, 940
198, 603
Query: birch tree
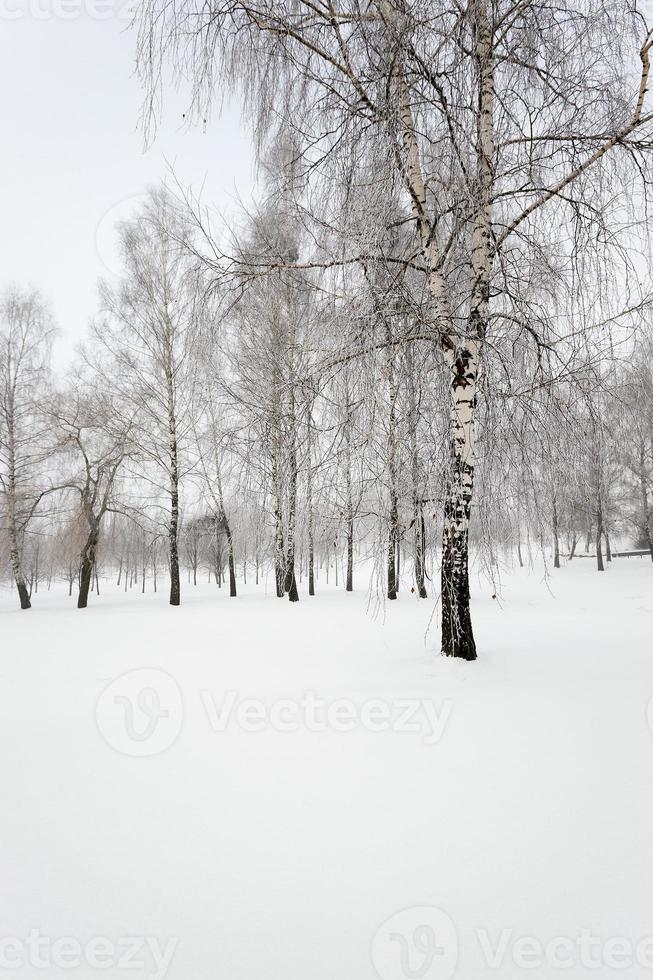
26, 333
485, 128
147, 330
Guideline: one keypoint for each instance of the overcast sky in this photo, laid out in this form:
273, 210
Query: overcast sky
72, 158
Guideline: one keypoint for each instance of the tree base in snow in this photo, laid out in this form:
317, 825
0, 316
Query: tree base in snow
457, 632
464, 648
23, 595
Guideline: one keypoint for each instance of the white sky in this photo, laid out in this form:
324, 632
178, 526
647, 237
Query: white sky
71, 155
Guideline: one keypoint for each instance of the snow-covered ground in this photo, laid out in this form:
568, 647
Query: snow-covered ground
250, 790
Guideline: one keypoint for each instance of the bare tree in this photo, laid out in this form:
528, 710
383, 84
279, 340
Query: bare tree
453, 101
97, 437
26, 332
147, 329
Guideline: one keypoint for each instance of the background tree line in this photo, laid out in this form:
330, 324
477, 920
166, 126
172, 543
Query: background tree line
438, 307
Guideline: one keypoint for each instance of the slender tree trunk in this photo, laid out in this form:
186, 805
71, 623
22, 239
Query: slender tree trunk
420, 549
279, 551
397, 559
311, 556
393, 509
309, 504
173, 527
419, 526
12, 524
556, 540
349, 581
224, 522
643, 489
599, 532
173, 531
290, 584
230, 556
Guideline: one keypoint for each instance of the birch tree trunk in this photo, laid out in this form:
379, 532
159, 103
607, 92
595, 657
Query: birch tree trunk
349, 584
599, 530
291, 581
418, 506
11, 494
230, 557
277, 486
173, 527
14, 555
279, 557
643, 489
461, 354
309, 505
457, 632
233, 592
464, 361
290, 584
393, 507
